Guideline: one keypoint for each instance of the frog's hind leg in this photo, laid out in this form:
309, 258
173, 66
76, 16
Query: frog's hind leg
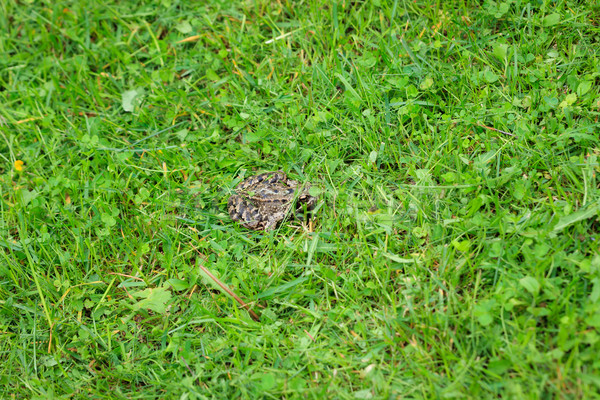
234, 207
250, 216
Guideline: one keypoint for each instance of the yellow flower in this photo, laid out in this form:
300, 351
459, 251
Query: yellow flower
19, 165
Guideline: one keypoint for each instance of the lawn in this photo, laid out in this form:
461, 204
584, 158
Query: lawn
453, 146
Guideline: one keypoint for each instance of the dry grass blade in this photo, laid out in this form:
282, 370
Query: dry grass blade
231, 293
496, 130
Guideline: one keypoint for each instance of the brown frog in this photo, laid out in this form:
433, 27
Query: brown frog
264, 200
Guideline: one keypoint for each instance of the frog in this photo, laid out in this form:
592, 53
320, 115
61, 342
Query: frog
263, 201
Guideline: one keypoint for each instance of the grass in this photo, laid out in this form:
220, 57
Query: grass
454, 250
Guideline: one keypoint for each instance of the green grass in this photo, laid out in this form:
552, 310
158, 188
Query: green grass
445, 259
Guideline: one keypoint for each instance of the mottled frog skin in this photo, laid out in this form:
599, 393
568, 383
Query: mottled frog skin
263, 201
